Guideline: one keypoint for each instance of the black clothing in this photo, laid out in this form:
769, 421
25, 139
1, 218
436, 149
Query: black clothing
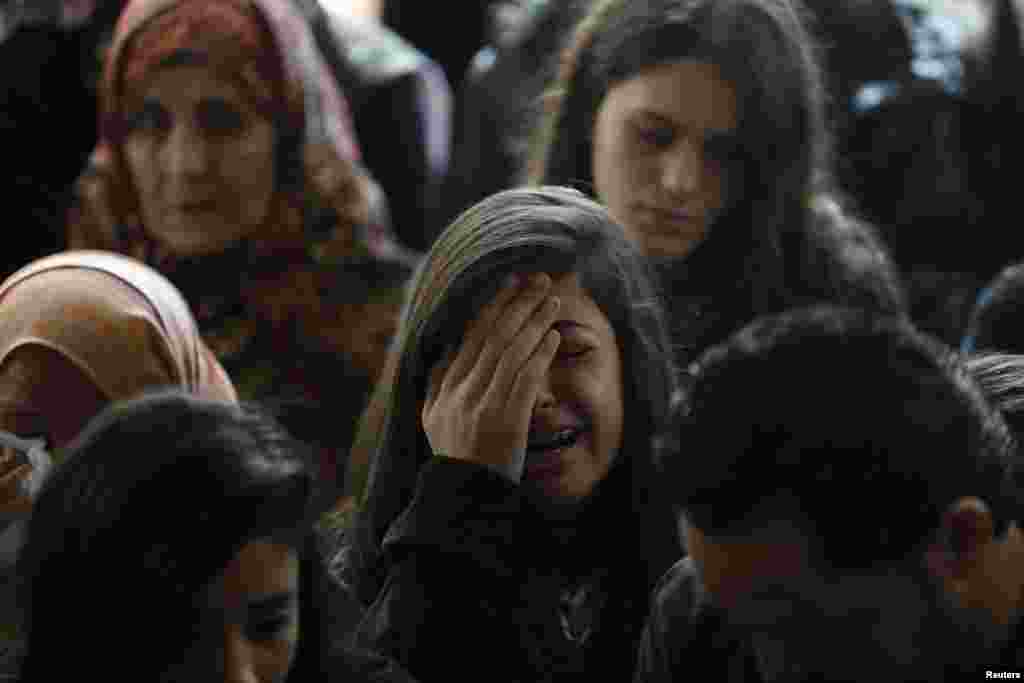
499, 104
686, 633
417, 22
463, 576
400, 109
834, 258
44, 98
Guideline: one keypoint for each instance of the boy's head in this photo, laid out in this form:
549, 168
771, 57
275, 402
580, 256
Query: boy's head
994, 323
839, 473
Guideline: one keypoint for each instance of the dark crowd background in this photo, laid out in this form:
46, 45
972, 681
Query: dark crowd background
923, 103
924, 98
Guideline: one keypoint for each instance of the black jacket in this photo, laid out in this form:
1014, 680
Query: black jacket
478, 589
499, 103
685, 633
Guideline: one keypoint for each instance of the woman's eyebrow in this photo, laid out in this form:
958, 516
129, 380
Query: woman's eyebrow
651, 117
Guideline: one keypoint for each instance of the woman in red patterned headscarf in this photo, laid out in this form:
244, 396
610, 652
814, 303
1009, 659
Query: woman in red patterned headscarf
227, 161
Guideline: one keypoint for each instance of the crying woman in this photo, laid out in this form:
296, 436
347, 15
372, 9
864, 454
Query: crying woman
512, 441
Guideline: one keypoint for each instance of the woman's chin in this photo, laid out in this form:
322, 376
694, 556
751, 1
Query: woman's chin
193, 242
553, 500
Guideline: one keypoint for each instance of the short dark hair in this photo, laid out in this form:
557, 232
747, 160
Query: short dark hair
1000, 376
872, 428
995, 319
154, 499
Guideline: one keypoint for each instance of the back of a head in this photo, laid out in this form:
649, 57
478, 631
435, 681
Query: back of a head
155, 498
839, 411
994, 323
843, 26
1000, 377
119, 321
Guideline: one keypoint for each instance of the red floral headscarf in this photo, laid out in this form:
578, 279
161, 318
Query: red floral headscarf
230, 38
267, 47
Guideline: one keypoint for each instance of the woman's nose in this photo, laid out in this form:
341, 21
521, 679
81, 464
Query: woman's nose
682, 168
186, 152
238, 658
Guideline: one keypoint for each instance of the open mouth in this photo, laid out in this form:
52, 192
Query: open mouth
544, 461
544, 443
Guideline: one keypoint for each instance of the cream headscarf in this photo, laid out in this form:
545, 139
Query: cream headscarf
118, 321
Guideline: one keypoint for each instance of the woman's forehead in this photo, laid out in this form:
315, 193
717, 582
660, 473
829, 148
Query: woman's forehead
187, 82
688, 92
577, 304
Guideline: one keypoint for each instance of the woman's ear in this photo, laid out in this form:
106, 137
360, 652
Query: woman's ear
966, 529
975, 567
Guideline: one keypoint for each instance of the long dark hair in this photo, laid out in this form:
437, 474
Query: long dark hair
546, 229
764, 49
154, 499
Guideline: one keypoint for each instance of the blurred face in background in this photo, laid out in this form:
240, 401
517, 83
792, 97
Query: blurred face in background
202, 160
250, 630
662, 140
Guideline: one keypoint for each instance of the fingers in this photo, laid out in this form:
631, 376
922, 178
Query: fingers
480, 396
536, 369
12, 499
438, 373
9, 459
507, 329
523, 390
525, 344
477, 331
9, 481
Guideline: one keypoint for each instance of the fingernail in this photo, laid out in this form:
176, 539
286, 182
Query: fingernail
553, 303
541, 279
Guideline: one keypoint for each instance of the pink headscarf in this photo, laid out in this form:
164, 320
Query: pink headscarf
118, 321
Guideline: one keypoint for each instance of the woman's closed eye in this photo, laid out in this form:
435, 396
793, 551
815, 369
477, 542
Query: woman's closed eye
151, 118
220, 118
654, 136
269, 627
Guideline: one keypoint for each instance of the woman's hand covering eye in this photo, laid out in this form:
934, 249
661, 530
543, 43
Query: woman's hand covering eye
481, 397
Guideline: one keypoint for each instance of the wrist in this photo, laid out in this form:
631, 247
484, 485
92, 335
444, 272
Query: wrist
510, 472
